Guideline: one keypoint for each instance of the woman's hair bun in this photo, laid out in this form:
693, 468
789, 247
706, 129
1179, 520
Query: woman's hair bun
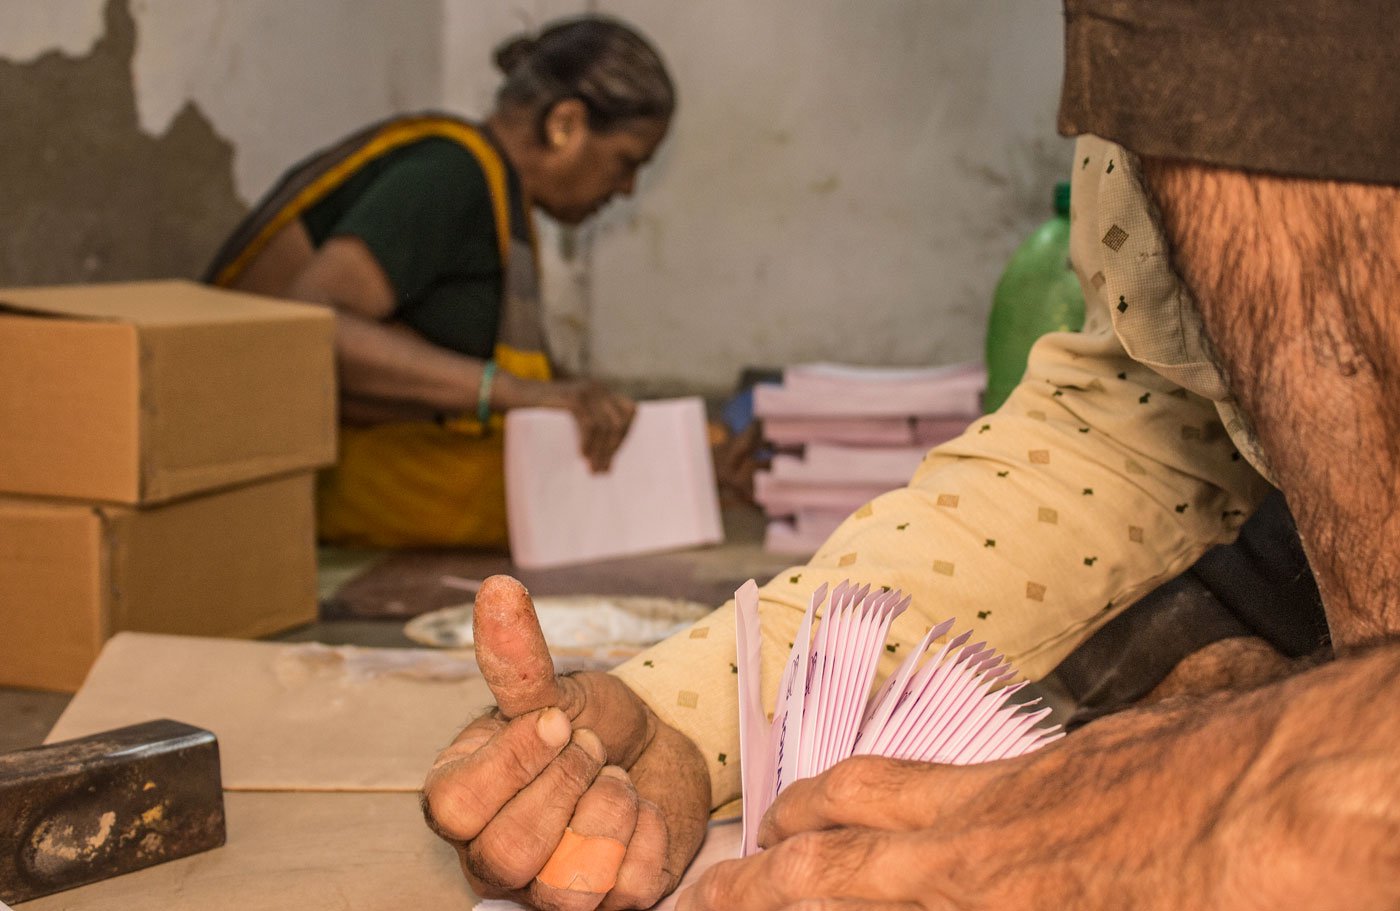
513, 52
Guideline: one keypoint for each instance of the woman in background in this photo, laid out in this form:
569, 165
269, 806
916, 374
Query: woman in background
418, 232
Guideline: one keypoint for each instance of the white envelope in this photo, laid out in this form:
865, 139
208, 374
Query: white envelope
659, 494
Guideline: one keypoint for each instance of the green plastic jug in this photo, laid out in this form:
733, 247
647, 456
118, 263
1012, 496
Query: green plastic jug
1038, 293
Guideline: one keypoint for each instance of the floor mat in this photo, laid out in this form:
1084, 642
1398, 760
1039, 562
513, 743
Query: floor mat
387, 585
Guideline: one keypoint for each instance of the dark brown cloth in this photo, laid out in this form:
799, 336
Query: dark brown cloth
1260, 585
1307, 88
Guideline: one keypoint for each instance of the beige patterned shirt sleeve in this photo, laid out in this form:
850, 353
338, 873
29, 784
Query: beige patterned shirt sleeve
1100, 478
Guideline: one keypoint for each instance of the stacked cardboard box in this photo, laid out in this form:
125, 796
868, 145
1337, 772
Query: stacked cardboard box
844, 435
157, 444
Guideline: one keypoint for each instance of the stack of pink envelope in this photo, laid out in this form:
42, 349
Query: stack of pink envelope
947, 702
848, 434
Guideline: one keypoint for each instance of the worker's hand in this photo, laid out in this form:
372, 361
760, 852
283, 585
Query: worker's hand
572, 794
1031, 833
603, 418
874, 833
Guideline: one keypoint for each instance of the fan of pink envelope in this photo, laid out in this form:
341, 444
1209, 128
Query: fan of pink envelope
947, 702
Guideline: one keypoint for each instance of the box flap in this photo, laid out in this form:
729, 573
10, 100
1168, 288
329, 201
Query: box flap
70, 425
147, 392
170, 302
288, 717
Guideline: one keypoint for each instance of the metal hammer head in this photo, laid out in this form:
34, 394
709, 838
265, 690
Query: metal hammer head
83, 810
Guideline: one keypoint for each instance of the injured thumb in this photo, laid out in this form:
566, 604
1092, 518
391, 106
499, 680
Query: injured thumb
510, 648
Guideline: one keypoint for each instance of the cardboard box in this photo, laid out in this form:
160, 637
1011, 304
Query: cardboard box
144, 392
239, 562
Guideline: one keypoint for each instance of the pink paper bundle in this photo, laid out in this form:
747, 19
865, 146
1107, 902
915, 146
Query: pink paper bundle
833, 390
945, 705
860, 429
785, 497
930, 432
848, 431
824, 463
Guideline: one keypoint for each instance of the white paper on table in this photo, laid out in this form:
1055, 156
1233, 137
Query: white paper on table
659, 494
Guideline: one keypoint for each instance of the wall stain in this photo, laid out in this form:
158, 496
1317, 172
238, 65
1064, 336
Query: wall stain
85, 194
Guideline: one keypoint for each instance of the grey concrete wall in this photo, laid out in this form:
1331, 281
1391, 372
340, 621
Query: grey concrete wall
845, 178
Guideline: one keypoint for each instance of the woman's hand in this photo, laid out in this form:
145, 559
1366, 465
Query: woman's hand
603, 417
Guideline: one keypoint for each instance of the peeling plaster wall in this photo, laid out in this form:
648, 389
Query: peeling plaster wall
31, 29
280, 78
87, 195
138, 131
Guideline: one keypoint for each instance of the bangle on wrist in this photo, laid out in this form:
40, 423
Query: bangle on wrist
483, 393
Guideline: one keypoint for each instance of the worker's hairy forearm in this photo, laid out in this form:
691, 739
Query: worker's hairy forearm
1283, 797
1296, 282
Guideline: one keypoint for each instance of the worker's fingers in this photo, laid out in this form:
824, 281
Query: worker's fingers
474, 778
880, 868
511, 650
851, 904
599, 457
514, 845
590, 430
643, 878
472, 738
872, 792
514, 659
584, 866
619, 411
